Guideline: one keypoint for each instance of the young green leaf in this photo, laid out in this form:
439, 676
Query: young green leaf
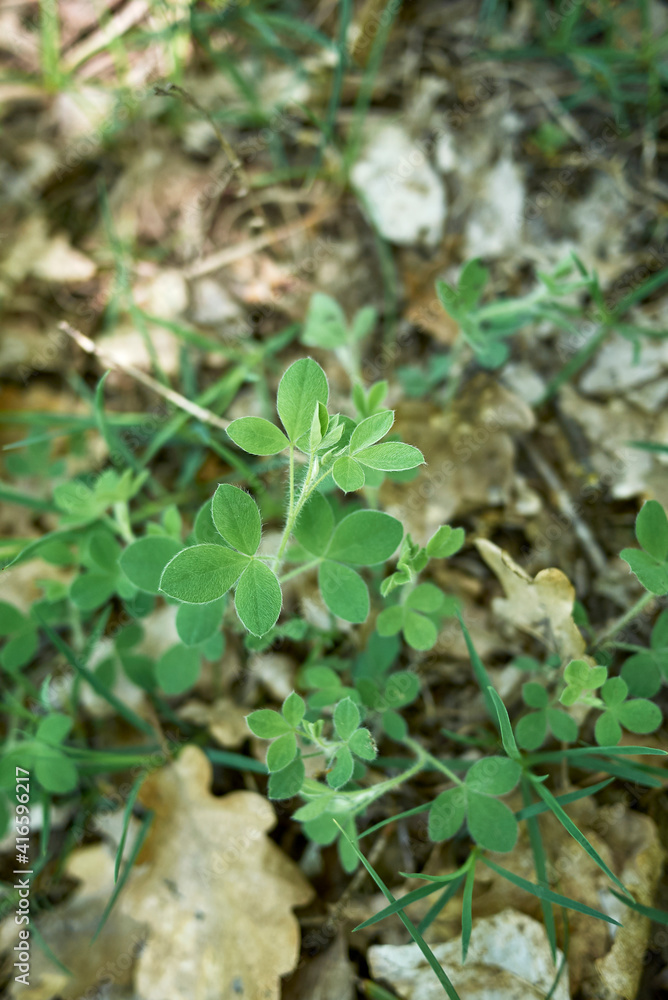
343, 591
202, 573
362, 745
346, 718
348, 474
390, 456
257, 436
258, 598
315, 525
143, 561
652, 574
491, 823
303, 385
54, 728
237, 518
420, 632
365, 537
287, 782
342, 771
267, 724
493, 775
447, 814
55, 772
294, 709
281, 752
370, 430
195, 623
178, 669
652, 530
325, 324
445, 542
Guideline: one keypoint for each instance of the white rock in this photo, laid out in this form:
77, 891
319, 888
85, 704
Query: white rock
495, 224
509, 959
212, 304
614, 367
402, 192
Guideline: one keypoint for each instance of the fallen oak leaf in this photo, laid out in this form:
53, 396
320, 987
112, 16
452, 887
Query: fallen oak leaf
542, 606
215, 892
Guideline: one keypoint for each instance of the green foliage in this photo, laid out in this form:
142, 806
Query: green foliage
650, 563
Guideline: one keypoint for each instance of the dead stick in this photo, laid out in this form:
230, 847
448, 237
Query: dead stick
88, 345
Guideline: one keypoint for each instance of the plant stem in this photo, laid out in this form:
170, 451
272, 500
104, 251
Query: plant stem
300, 569
434, 761
621, 623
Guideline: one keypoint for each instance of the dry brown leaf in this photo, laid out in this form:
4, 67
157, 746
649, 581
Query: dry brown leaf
69, 929
225, 720
216, 893
542, 606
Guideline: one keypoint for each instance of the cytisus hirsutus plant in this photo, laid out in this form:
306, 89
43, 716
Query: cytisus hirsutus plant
353, 685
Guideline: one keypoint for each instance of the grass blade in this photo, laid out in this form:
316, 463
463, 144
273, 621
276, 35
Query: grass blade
94, 681
467, 909
575, 833
433, 962
411, 897
541, 892
657, 916
481, 674
136, 847
540, 867
436, 908
507, 736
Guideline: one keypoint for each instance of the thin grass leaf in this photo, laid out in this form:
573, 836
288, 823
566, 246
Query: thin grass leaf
541, 892
132, 857
540, 867
94, 681
467, 909
564, 957
481, 675
436, 907
434, 964
129, 806
114, 442
575, 833
507, 736
400, 904
394, 819
657, 916
236, 761
536, 808
41, 943
10, 495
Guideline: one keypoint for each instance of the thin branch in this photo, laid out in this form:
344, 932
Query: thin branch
86, 344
